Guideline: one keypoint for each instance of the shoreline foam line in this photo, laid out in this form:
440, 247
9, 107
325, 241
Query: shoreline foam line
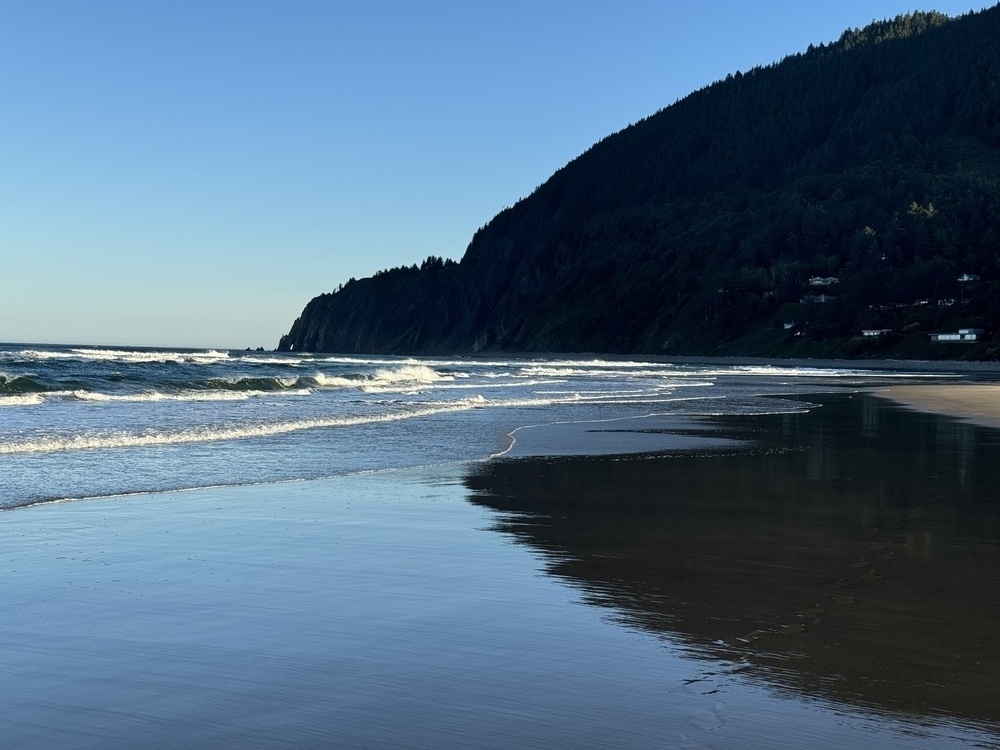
242, 432
111, 440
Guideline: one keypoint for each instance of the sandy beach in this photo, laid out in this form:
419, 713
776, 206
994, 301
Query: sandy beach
826, 580
375, 611
970, 402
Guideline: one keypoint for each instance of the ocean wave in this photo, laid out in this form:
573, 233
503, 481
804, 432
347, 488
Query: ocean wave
138, 356
366, 361
574, 370
490, 386
409, 373
397, 411
334, 381
258, 359
155, 396
593, 394
16, 391
112, 440
246, 383
660, 387
384, 379
20, 384
28, 399
678, 374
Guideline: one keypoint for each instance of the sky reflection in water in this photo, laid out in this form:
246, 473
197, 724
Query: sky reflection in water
851, 553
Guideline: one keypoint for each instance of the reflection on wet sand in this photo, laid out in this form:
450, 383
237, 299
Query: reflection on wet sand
852, 552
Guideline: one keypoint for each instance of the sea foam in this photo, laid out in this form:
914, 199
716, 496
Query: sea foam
27, 399
125, 356
106, 440
114, 439
153, 396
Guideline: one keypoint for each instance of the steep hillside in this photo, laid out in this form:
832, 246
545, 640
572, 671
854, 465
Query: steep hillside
778, 212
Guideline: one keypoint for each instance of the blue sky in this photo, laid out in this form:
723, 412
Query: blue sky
192, 173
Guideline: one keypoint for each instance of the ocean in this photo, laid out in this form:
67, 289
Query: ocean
314, 551
80, 421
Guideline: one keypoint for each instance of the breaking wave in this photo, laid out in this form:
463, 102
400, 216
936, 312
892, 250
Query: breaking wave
106, 440
108, 388
30, 399
409, 373
246, 383
139, 356
19, 384
153, 396
113, 440
383, 378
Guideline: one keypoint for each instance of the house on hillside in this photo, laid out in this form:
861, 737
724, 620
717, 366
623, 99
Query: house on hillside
964, 336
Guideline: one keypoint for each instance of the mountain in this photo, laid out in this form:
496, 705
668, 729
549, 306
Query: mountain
780, 212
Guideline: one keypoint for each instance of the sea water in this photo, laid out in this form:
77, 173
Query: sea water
828, 582
80, 421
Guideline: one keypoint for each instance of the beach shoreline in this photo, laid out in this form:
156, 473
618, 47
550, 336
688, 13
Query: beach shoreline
651, 433
429, 605
975, 403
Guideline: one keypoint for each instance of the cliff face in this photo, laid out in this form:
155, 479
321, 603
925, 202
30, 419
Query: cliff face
873, 161
402, 310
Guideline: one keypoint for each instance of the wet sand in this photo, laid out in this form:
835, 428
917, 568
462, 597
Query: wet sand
971, 402
613, 437
851, 553
824, 580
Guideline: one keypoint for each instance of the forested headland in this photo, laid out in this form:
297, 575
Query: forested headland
842, 202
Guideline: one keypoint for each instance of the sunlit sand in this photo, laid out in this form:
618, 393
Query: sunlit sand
976, 403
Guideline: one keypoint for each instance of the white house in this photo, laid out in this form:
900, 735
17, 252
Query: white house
964, 336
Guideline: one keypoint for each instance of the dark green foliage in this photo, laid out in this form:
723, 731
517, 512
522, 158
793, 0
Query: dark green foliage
874, 160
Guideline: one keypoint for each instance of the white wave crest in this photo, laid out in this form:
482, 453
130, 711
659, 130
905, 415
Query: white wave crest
409, 373
155, 396
27, 399
260, 360
139, 356
106, 440
333, 381
401, 377
495, 385
572, 370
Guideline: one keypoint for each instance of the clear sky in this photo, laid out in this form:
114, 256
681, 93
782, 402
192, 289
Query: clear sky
192, 173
